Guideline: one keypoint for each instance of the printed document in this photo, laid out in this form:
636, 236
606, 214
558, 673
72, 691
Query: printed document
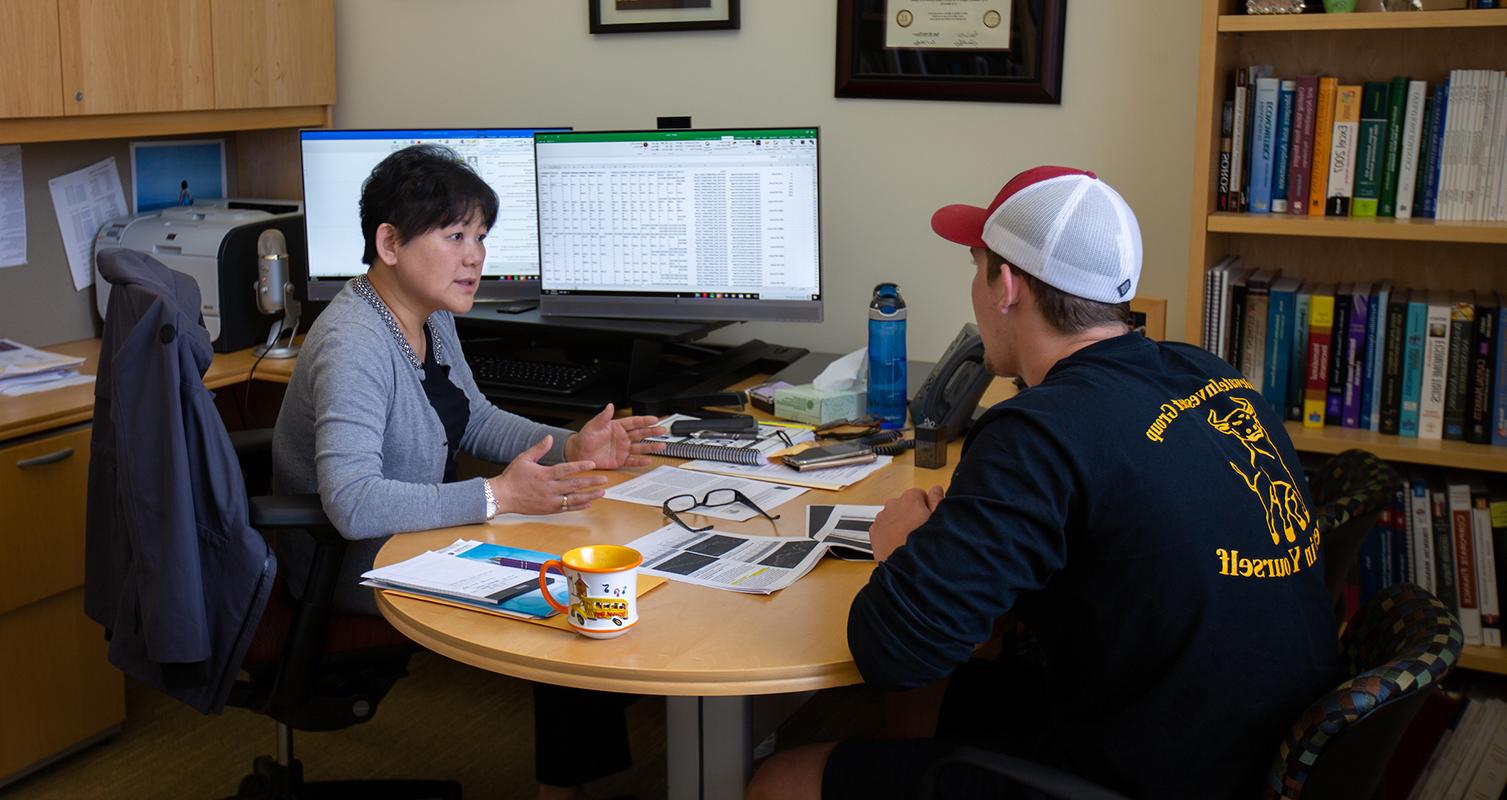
12, 208
84, 201
491, 576
832, 478
654, 488
732, 561
844, 528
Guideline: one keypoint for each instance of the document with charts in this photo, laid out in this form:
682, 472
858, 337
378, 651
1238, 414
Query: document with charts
655, 487
732, 561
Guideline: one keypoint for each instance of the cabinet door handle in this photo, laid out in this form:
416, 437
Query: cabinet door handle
42, 461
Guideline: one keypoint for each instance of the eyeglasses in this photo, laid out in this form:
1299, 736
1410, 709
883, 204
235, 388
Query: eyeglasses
681, 503
848, 429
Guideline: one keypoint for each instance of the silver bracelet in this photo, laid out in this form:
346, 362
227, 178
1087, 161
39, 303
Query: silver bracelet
486, 486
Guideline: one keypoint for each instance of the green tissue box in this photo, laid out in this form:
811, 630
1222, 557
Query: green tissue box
815, 406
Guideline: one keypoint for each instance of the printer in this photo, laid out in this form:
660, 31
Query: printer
215, 243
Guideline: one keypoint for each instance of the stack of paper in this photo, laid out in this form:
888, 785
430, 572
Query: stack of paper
491, 577
24, 370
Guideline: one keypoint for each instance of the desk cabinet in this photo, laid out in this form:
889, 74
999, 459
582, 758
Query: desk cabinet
29, 59
57, 690
135, 56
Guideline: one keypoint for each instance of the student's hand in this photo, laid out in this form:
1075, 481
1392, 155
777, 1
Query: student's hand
611, 443
900, 516
528, 487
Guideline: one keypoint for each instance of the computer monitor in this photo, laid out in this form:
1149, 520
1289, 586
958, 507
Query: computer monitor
680, 224
337, 162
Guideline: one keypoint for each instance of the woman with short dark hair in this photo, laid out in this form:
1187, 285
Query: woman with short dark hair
382, 401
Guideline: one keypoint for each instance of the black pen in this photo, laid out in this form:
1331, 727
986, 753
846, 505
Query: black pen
723, 435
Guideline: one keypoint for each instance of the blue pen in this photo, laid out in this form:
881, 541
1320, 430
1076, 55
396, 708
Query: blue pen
521, 564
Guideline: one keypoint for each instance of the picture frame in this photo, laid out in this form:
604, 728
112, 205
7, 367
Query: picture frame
646, 16
890, 49
175, 172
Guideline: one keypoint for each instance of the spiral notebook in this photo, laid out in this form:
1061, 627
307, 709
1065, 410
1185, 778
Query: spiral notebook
772, 439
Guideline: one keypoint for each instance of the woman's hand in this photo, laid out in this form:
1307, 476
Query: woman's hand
528, 487
611, 443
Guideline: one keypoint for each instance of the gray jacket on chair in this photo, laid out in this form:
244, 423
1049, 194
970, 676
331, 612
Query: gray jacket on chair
172, 568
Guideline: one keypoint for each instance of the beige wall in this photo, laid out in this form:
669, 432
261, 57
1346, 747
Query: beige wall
886, 164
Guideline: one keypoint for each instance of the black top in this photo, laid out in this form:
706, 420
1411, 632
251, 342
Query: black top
448, 401
1144, 512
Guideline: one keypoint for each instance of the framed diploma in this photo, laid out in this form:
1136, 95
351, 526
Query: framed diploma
631, 16
1007, 51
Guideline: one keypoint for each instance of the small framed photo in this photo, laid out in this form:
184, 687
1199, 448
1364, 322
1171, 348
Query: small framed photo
175, 172
636, 16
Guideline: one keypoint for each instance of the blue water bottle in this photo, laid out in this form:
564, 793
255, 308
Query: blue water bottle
887, 355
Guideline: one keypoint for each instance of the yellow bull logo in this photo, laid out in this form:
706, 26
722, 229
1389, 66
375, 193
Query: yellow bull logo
1265, 473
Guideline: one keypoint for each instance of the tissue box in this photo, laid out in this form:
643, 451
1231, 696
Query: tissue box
815, 406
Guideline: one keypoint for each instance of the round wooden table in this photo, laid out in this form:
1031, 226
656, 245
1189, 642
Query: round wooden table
705, 649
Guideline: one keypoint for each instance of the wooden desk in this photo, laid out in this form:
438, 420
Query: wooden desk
706, 650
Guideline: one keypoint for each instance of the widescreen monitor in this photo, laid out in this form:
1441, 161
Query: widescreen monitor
680, 224
337, 162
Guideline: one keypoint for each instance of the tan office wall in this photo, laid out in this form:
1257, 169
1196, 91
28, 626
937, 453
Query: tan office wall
886, 164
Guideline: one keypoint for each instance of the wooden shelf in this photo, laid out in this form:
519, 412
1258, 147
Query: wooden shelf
1409, 230
1457, 455
1379, 21
1484, 659
123, 126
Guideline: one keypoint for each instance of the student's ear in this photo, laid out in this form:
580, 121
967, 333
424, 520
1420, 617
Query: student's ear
388, 241
1010, 289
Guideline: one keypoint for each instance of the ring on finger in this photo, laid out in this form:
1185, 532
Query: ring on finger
564, 502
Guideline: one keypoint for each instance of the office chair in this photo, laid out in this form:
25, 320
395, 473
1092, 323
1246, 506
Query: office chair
1351, 490
1397, 648
304, 666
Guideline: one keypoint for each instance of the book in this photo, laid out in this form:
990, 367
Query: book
1499, 381
1263, 143
1334, 408
1415, 337
1323, 133
1462, 540
1426, 195
1297, 378
1234, 275
1391, 162
1376, 320
1320, 332
1237, 142
1462, 316
1409, 148
1445, 574
1394, 338
772, 438
1355, 354
1486, 568
1281, 306
1341, 181
1482, 371
476, 573
1421, 535
1237, 317
1282, 149
1435, 367
1300, 162
1370, 149
1226, 120
1253, 347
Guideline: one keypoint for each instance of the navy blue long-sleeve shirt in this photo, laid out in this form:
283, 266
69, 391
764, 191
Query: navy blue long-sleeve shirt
1143, 511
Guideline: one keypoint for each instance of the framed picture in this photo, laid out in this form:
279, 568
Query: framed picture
1005, 51
634, 16
175, 172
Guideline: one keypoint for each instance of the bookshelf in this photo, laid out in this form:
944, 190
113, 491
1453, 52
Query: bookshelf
1425, 254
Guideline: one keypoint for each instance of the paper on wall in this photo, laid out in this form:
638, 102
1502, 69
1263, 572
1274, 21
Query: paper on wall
84, 201
12, 208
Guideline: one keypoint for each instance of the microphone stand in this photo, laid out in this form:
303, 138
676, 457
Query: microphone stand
289, 323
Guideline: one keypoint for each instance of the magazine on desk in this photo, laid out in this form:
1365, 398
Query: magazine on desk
731, 561
772, 438
489, 577
845, 529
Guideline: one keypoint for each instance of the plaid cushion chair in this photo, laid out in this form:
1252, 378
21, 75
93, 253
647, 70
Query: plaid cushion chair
1351, 490
1398, 647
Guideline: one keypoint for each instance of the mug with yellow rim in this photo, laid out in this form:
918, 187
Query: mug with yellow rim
603, 581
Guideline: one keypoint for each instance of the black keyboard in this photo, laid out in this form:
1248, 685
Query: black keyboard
530, 376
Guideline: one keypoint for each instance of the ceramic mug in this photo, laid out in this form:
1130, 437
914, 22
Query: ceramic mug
603, 582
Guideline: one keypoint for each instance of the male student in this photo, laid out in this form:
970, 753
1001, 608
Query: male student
1138, 507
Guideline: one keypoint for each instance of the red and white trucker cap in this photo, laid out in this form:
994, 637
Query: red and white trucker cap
1062, 225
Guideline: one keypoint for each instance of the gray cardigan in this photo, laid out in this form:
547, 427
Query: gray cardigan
357, 428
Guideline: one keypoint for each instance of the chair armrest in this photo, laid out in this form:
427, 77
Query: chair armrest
254, 442
289, 511
1054, 782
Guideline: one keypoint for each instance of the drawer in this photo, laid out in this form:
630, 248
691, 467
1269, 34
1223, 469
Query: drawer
56, 688
43, 483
